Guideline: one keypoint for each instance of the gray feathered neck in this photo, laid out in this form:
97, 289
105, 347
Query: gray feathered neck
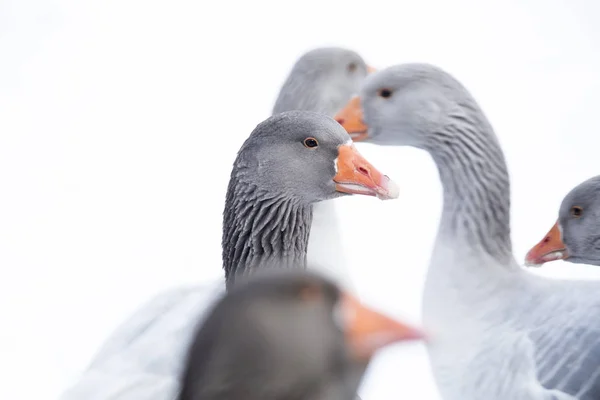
476, 187
262, 230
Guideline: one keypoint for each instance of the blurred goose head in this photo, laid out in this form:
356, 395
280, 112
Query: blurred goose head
322, 80
286, 334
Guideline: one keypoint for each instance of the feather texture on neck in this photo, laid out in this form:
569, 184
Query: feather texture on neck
261, 230
476, 187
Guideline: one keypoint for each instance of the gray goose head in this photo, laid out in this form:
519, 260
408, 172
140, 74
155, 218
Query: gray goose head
575, 237
322, 80
422, 106
404, 105
291, 335
290, 161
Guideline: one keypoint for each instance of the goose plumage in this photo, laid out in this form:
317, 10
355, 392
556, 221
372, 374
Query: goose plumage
498, 332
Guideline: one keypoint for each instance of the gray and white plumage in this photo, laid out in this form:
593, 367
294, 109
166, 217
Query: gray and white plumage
323, 80
498, 332
274, 182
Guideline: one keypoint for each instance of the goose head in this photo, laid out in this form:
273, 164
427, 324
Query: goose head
575, 236
291, 161
403, 105
307, 156
423, 106
322, 80
285, 334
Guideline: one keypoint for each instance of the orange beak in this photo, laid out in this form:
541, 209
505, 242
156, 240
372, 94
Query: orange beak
351, 118
548, 249
371, 69
367, 330
355, 175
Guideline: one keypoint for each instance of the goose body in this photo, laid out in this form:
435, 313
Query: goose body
290, 161
498, 332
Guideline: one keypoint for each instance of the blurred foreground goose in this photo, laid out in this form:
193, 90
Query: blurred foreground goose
323, 80
290, 335
498, 331
290, 161
575, 237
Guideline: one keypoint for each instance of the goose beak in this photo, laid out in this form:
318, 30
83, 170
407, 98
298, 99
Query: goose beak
371, 69
548, 249
367, 331
351, 118
355, 175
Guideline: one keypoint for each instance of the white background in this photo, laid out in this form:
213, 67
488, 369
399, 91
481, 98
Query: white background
119, 121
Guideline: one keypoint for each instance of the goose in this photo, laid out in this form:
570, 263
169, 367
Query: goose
323, 80
575, 235
292, 335
290, 161
168, 313
498, 331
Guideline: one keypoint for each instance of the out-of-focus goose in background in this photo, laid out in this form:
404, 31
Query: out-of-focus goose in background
499, 331
290, 161
323, 80
292, 335
575, 237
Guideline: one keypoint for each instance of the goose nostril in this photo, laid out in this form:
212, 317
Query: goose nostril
363, 171
546, 239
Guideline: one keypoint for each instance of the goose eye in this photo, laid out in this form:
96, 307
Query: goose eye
385, 93
351, 67
576, 211
311, 142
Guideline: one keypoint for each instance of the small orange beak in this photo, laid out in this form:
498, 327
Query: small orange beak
367, 330
351, 118
355, 175
548, 249
371, 69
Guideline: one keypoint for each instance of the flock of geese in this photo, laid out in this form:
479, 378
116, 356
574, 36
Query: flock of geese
276, 331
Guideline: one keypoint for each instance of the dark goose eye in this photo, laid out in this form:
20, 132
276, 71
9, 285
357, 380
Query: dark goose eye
576, 211
351, 67
385, 93
311, 142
